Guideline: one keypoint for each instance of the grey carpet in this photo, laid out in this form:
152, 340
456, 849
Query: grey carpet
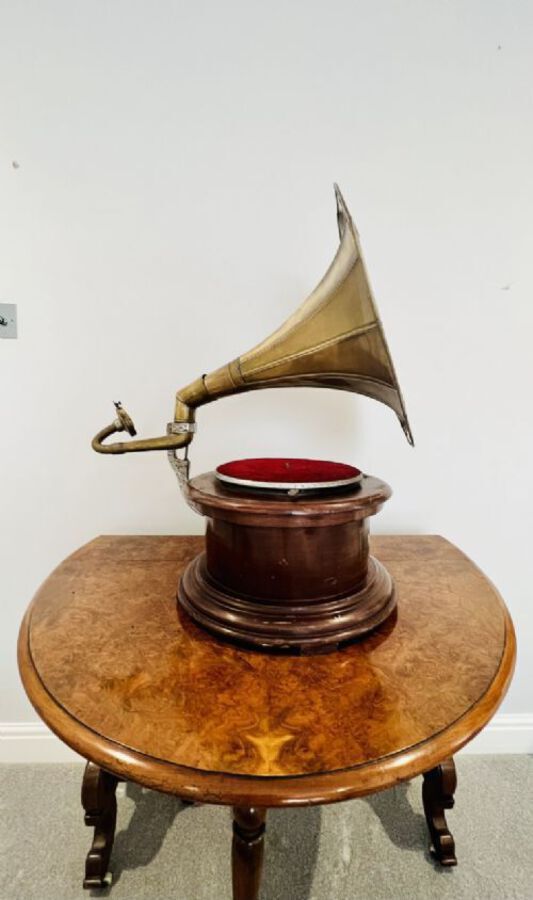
369, 849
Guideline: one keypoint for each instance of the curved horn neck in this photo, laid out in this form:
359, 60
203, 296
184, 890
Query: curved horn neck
334, 339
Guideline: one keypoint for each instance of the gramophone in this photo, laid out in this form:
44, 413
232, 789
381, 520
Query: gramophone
286, 564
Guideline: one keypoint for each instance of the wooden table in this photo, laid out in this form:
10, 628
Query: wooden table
136, 688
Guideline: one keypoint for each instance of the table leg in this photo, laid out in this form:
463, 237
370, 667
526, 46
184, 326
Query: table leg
437, 793
247, 851
100, 805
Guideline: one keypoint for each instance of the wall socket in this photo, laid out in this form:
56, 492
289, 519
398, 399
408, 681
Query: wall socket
8, 320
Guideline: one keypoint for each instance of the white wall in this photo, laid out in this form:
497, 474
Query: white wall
173, 203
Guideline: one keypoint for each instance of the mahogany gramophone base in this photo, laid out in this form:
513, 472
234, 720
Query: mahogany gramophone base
284, 572
287, 624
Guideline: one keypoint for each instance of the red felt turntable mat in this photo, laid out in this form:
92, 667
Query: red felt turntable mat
286, 472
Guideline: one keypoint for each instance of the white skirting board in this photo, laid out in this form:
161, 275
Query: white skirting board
33, 742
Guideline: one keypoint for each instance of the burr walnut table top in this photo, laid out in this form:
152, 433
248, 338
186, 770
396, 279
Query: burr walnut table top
127, 680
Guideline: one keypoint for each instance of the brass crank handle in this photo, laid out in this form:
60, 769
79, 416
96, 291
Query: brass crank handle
179, 434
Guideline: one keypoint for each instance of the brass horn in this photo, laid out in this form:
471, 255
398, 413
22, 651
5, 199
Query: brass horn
334, 339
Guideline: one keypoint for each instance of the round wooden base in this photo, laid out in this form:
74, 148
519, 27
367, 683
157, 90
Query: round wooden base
285, 573
287, 625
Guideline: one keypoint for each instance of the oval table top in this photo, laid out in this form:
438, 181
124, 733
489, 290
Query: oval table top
128, 681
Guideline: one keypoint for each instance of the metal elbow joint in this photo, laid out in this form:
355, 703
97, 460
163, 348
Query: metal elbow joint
179, 434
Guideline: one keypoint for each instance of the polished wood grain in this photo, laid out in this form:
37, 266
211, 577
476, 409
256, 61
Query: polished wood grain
287, 573
210, 497
99, 802
128, 682
247, 851
298, 625
437, 794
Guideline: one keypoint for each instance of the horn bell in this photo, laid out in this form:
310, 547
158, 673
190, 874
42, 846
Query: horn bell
334, 339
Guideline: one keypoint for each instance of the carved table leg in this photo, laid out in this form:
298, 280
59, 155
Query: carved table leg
247, 851
437, 793
100, 805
